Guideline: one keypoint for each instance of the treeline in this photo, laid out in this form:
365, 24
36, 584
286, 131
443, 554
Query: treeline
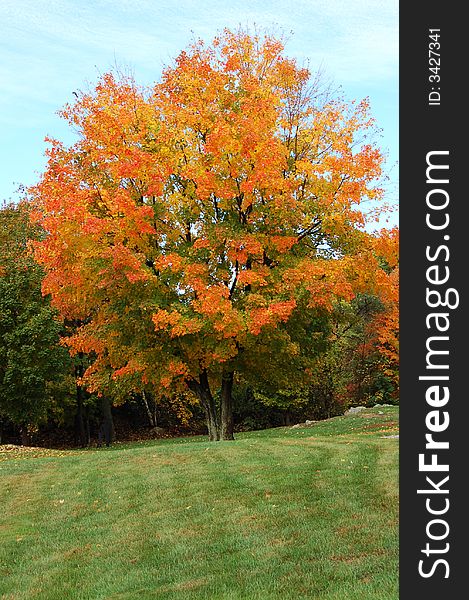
44, 401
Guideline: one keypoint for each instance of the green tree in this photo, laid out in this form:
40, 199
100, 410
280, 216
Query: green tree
31, 360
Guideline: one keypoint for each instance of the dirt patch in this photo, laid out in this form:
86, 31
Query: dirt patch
189, 532
184, 586
348, 529
387, 425
192, 584
352, 558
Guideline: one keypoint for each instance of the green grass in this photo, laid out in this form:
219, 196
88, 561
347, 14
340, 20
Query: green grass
277, 514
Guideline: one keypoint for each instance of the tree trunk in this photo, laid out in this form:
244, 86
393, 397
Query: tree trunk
80, 433
227, 406
150, 414
202, 389
210, 408
87, 427
81, 437
25, 440
108, 421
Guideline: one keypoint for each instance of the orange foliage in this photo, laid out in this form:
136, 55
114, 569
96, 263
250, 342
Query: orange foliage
188, 218
386, 324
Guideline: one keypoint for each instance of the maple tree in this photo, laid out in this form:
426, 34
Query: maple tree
192, 223
366, 334
386, 323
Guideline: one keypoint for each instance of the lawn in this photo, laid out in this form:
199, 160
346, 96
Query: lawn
277, 514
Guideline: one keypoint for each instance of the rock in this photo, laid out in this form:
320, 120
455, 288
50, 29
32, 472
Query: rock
355, 409
377, 406
307, 423
390, 436
158, 431
380, 412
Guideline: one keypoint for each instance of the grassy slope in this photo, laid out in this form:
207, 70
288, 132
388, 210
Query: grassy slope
283, 513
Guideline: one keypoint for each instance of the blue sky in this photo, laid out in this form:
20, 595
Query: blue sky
49, 48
